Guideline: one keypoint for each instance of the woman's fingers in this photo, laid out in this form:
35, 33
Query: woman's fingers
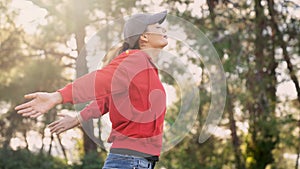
59, 126
41, 102
60, 130
29, 113
53, 123
27, 104
55, 128
24, 106
26, 110
61, 115
36, 114
57, 122
30, 96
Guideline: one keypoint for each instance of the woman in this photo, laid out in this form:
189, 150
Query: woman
129, 88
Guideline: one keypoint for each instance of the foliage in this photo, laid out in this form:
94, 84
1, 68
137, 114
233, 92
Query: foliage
92, 160
24, 159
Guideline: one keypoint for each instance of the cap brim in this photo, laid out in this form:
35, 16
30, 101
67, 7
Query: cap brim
158, 18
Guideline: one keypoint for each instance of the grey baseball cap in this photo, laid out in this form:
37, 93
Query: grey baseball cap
137, 24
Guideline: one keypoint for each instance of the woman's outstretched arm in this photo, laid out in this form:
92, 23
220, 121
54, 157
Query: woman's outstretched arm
67, 122
94, 110
40, 103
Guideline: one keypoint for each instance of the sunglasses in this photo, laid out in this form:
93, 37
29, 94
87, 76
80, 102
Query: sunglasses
158, 30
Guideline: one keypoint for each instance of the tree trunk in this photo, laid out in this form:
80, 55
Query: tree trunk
240, 161
26, 142
81, 63
50, 146
211, 6
62, 148
261, 82
43, 136
14, 120
287, 58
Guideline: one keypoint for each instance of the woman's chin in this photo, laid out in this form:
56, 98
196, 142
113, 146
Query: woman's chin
164, 44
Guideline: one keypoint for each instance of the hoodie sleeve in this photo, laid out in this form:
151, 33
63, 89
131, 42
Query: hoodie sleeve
96, 85
95, 109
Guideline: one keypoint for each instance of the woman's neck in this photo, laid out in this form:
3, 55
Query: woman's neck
152, 52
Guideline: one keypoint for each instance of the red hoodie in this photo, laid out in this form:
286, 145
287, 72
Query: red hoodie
130, 89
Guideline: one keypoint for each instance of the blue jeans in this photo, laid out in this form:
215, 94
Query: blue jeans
120, 161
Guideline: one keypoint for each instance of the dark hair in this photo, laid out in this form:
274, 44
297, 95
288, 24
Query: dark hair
125, 46
118, 49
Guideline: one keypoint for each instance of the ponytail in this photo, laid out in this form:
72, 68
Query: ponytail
125, 47
118, 49
111, 54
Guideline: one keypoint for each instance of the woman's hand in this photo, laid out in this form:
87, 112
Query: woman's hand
40, 103
66, 123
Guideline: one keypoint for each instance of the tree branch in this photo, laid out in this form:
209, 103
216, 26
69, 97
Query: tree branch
287, 58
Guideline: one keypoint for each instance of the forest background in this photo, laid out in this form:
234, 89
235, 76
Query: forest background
258, 43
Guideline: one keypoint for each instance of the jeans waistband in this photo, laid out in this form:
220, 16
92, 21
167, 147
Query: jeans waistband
149, 157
